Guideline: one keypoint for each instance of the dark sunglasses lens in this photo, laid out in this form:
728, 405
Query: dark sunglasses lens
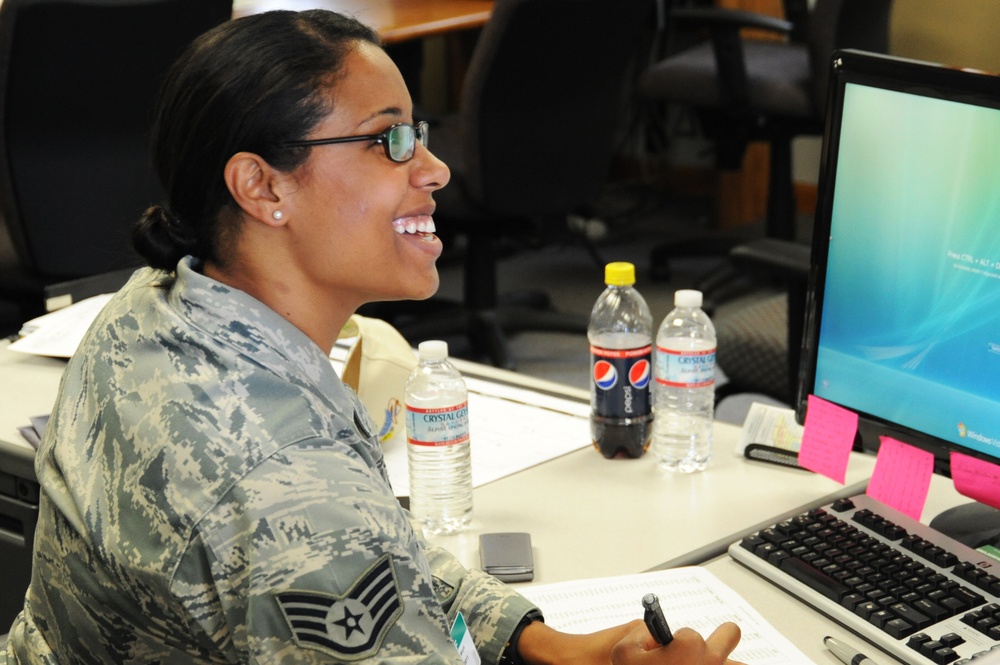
400, 141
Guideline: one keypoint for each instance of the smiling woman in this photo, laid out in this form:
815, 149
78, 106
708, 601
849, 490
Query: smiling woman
210, 490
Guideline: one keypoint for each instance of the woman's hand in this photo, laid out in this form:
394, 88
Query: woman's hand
628, 644
687, 647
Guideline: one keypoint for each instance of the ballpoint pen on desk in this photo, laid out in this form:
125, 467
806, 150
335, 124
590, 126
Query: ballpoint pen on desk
846, 654
655, 621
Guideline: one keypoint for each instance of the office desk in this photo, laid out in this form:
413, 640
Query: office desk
394, 20
588, 516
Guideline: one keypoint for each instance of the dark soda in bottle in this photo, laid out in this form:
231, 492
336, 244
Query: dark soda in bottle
621, 343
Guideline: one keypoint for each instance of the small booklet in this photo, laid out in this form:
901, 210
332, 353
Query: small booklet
690, 596
772, 426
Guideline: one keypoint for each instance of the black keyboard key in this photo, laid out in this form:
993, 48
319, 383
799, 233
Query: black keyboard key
773, 536
776, 557
951, 640
899, 628
944, 655
879, 618
985, 624
894, 532
990, 584
750, 543
927, 648
852, 600
843, 505
866, 609
918, 619
931, 609
953, 604
814, 578
967, 596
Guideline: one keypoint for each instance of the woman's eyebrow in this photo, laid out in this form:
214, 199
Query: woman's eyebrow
391, 111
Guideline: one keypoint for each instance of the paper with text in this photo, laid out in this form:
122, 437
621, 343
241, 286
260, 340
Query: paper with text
506, 436
976, 478
58, 333
827, 438
690, 596
772, 426
902, 476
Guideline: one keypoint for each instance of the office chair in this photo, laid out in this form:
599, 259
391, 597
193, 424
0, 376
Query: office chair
19, 495
760, 333
532, 141
78, 80
747, 90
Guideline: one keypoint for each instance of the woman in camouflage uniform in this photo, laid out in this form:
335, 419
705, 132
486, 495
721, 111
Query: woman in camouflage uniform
212, 493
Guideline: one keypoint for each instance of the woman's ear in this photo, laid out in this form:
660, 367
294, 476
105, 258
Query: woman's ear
254, 185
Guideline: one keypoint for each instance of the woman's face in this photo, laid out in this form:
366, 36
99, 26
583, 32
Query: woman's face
350, 200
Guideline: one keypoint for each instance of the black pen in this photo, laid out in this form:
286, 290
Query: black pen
655, 621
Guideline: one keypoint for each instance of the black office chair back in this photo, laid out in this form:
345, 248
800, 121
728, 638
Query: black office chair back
78, 80
540, 100
833, 24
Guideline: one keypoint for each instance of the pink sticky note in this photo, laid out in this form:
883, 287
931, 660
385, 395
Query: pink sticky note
827, 438
976, 479
902, 476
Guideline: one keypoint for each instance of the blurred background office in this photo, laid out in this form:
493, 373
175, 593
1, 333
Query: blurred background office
662, 183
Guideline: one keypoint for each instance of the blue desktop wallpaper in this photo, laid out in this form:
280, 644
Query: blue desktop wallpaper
910, 329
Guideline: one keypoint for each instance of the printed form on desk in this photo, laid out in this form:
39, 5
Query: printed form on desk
510, 429
690, 596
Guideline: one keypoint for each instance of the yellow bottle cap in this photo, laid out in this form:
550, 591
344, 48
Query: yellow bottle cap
619, 273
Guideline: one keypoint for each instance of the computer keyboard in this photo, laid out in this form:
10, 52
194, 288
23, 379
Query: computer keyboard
915, 593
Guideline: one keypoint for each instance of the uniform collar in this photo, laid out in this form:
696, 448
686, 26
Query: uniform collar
253, 329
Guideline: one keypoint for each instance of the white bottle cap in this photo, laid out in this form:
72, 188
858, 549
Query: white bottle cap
433, 349
687, 298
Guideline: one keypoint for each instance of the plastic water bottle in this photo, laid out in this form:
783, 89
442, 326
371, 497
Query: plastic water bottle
684, 392
621, 345
437, 435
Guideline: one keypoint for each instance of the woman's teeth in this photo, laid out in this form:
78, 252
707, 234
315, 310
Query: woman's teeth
423, 225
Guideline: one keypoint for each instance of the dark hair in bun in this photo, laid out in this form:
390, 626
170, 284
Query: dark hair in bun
251, 84
162, 239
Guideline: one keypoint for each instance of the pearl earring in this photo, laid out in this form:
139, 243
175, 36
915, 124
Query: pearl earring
277, 214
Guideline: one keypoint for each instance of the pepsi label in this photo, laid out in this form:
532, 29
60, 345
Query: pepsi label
621, 380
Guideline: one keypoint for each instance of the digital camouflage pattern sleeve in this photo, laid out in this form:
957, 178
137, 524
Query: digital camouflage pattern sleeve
212, 493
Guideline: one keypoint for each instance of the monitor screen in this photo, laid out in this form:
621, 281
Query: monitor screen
903, 315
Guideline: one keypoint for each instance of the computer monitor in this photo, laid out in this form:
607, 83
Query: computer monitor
903, 312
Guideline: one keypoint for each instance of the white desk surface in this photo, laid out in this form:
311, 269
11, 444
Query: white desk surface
587, 516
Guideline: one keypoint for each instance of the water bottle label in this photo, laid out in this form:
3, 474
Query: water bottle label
685, 369
621, 381
439, 426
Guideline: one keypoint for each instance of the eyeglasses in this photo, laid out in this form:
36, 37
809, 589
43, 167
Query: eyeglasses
398, 141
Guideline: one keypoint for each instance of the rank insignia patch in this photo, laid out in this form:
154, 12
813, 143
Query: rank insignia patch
350, 626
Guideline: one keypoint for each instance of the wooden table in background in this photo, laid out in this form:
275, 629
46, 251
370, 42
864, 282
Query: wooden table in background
394, 20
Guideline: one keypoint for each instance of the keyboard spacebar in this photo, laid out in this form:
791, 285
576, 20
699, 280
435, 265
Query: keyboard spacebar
814, 578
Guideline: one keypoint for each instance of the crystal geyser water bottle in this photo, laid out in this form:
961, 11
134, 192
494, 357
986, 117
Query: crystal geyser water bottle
684, 390
620, 335
437, 435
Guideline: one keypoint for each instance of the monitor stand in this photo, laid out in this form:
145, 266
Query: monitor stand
974, 524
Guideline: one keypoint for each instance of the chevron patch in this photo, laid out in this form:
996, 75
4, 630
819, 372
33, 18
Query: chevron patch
352, 626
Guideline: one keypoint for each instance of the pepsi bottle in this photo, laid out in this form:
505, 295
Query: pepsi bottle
621, 345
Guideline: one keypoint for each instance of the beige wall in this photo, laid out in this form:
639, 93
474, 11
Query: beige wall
963, 33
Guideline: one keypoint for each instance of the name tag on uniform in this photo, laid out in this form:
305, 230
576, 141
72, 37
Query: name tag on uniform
462, 638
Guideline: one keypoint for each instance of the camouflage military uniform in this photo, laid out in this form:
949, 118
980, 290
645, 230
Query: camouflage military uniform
213, 494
